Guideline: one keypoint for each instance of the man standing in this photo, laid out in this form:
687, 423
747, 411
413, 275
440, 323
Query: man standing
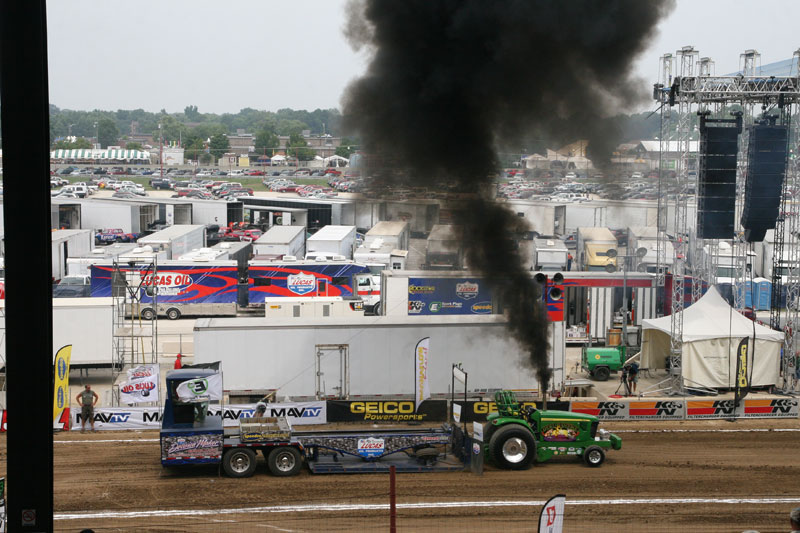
633, 376
87, 399
569, 261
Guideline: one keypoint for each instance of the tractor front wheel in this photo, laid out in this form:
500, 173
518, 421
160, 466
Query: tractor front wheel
512, 447
594, 456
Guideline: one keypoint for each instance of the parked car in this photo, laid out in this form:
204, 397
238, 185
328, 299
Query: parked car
112, 235
162, 183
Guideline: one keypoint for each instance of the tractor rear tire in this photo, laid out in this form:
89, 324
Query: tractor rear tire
601, 373
239, 462
594, 456
284, 461
512, 447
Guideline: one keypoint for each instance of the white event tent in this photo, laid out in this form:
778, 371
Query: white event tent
712, 331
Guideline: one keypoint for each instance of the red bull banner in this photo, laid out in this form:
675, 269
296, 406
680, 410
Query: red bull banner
657, 410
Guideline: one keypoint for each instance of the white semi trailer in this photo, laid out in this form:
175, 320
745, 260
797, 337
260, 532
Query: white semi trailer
346, 357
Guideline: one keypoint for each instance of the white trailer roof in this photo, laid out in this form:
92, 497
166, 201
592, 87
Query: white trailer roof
644, 232
443, 232
596, 234
332, 233
280, 234
170, 233
333, 322
550, 244
387, 228
65, 234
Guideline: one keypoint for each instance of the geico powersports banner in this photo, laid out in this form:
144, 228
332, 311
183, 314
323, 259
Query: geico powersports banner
477, 411
304, 413
448, 296
386, 411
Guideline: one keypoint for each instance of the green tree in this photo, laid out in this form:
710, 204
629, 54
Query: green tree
266, 139
346, 148
298, 147
107, 132
80, 142
205, 158
219, 144
191, 113
134, 146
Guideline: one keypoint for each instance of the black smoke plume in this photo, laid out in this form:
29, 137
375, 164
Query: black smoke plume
450, 79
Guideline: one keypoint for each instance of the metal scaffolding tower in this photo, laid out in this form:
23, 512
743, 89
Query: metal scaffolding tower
697, 89
135, 340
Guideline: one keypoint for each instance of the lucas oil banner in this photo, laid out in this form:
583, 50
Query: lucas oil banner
448, 296
142, 385
61, 391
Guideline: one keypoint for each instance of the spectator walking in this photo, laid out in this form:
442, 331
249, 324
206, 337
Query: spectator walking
569, 261
87, 399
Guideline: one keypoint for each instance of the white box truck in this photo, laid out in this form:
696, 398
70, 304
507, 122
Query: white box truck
549, 254
332, 241
280, 241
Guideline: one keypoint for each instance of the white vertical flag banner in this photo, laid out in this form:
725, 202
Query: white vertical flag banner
551, 519
422, 390
200, 389
142, 385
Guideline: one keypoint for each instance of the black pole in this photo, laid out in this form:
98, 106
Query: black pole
29, 321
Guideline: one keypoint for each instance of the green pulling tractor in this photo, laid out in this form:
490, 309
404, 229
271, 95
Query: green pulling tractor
519, 434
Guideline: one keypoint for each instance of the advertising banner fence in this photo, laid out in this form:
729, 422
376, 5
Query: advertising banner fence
386, 411
300, 413
613, 410
705, 409
774, 408
303, 413
448, 296
657, 410
477, 411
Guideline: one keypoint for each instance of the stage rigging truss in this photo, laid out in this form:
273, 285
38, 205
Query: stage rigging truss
688, 87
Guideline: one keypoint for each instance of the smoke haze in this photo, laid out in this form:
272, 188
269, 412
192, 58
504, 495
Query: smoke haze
450, 79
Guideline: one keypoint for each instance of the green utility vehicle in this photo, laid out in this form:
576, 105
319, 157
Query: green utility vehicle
518, 434
603, 360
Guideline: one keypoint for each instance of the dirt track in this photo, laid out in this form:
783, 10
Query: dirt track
127, 477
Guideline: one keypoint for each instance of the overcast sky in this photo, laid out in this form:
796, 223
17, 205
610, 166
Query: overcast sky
264, 54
